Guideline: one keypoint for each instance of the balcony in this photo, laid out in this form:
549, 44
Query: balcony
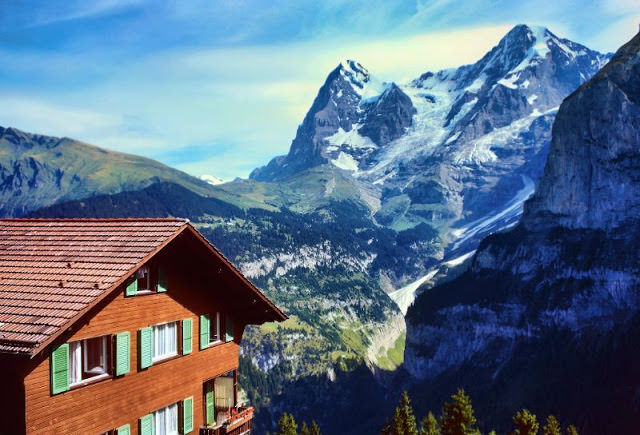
239, 423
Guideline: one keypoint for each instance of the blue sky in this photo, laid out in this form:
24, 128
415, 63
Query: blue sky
219, 87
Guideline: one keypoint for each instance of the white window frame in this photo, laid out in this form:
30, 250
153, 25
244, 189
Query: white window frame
215, 322
78, 361
165, 420
162, 342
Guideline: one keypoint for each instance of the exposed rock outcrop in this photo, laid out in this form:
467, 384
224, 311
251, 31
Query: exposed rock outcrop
569, 272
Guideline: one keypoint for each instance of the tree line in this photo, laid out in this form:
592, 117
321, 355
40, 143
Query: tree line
458, 418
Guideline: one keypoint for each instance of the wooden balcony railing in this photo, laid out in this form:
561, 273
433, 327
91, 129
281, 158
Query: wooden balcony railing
239, 423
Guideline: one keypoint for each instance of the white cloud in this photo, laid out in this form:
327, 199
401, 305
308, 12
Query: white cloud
39, 116
78, 10
620, 7
616, 34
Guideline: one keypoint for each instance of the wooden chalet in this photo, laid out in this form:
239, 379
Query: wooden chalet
121, 326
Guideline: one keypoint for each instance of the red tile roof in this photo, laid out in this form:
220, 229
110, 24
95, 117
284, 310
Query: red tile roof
52, 271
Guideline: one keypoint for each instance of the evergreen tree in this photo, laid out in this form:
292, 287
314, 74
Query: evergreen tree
457, 416
526, 423
315, 429
572, 430
429, 425
404, 419
304, 430
386, 429
552, 427
287, 425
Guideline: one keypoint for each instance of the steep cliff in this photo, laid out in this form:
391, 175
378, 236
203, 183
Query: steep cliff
547, 316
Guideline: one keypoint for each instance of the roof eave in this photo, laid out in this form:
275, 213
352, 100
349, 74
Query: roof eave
279, 316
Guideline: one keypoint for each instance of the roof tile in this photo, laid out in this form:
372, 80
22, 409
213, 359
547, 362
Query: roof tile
51, 270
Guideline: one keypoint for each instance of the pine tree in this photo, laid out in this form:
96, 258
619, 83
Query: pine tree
386, 429
552, 427
572, 430
457, 416
429, 425
304, 430
287, 425
404, 419
315, 429
526, 423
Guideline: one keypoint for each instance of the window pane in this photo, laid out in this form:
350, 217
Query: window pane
172, 419
95, 356
159, 420
161, 340
224, 392
144, 281
75, 362
172, 339
214, 328
165, 340
166, 420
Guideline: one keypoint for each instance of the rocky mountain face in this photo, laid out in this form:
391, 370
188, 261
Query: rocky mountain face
37, 171
349, 101
548, 314
457, 150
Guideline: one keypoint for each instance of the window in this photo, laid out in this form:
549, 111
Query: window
88, 359
214, 331
219, 397
143, 275
165, 420
122, 430
165, 341
224, 391
79, 362
211, 329
145, 280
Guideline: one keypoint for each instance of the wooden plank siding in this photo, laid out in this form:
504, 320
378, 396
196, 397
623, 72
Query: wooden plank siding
192, 291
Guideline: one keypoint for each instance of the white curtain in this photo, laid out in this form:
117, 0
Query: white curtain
166, 420
172, 419
172, 339
165, 340
75, 362
160, 421
224, 392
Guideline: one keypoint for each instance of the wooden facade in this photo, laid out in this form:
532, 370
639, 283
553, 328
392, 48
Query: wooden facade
198, 283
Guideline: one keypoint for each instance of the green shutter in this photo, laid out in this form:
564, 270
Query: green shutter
145, 347
187, 415
209, 400
187, 336
229, 328
60, 369
204, 331
124, 430
132, 288
123, 343
146, 424
162, 280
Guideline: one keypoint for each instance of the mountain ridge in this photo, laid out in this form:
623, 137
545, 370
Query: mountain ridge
38, 170
556, 296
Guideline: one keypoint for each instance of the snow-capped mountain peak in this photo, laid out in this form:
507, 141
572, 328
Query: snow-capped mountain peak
354, 72
212, 179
